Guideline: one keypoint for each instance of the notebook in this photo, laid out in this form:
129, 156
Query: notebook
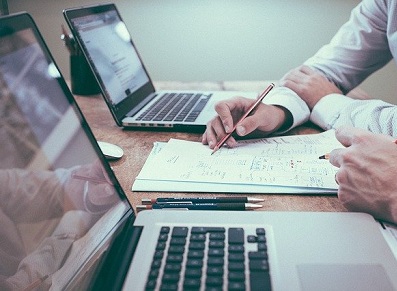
124, 81
66, 223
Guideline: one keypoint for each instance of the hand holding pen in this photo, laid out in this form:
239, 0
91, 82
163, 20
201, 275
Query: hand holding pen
248, 112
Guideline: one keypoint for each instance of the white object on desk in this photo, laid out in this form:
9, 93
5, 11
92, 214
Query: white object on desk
111, 151
285, 164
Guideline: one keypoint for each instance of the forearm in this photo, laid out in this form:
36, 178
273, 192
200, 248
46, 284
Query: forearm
22, 189
359, 48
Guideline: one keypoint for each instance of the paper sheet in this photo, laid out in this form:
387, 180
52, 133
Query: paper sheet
287, 164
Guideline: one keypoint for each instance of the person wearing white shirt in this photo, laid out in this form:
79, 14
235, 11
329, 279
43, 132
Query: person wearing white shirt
318, 91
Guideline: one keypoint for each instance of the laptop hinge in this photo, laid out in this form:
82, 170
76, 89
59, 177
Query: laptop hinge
116, 262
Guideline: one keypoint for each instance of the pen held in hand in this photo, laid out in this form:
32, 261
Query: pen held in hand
89, 179
324, 157
249, 111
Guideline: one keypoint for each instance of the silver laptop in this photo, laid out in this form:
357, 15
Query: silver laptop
124, 81
66, 223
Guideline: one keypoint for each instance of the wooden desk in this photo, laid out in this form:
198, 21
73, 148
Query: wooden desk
138, 144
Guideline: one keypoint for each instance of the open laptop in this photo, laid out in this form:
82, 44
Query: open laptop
66, 223
124, 81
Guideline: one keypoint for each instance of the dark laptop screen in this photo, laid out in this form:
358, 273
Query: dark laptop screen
115, 61
107, 44
59, 200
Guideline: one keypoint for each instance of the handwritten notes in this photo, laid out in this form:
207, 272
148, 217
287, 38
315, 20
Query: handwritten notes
287, 164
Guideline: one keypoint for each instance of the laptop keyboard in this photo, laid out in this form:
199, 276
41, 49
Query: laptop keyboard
176, 107
210, 258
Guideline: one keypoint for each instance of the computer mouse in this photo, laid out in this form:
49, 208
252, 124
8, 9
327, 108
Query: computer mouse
110, 151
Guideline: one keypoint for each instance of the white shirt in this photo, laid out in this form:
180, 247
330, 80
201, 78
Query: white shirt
364, 44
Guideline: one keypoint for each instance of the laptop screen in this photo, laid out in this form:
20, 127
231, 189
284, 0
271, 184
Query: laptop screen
107, 44
60, 200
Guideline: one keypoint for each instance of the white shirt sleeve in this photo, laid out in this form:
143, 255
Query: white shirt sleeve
360, 47
284, 97
337, 110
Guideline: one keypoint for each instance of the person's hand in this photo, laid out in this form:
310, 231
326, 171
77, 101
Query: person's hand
367, 172
264, 120
90, 189
309, 84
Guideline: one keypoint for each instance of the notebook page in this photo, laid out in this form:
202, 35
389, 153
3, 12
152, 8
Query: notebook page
290, 161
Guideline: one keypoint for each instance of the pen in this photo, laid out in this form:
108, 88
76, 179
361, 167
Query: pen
326, 156
187, 200
200, 206
35, 284
89, 179
249, 111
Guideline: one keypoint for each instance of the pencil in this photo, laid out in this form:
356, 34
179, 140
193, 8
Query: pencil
35, 283
249, 111
324, 157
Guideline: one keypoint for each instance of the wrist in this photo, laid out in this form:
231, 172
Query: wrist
284, 118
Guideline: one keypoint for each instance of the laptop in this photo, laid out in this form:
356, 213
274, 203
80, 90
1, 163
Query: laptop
126, 84
66, 223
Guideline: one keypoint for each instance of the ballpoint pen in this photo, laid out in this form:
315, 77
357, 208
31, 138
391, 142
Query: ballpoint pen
200, 206
249, 111
202, 200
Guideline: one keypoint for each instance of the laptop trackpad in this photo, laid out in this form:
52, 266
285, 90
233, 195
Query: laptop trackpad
343, 277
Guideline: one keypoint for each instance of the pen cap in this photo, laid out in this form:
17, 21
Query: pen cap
82, 79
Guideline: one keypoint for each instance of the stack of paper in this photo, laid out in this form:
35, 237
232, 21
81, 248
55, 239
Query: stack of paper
285, 164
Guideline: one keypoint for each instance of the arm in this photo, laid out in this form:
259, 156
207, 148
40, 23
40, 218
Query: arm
22, 189
336, 110
358, 49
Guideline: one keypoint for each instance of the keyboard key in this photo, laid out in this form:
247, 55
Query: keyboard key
180, 232
236, 236
260, 281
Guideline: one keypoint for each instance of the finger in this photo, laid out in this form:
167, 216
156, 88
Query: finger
224, 110
210, 136
252, 122
215, 132
348, 135
306, 70
335, 157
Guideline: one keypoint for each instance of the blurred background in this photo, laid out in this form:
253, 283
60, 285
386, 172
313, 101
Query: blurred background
214, 40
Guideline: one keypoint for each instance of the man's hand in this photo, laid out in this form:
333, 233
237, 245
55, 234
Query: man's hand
367, 175
89, 188
264, 120
310, 85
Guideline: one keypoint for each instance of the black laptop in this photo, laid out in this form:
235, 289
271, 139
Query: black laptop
66, 223
125, 82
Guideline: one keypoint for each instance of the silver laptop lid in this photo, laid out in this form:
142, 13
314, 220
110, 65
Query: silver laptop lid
60, 200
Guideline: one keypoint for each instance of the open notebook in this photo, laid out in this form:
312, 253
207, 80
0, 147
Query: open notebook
66, 223
284, 164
